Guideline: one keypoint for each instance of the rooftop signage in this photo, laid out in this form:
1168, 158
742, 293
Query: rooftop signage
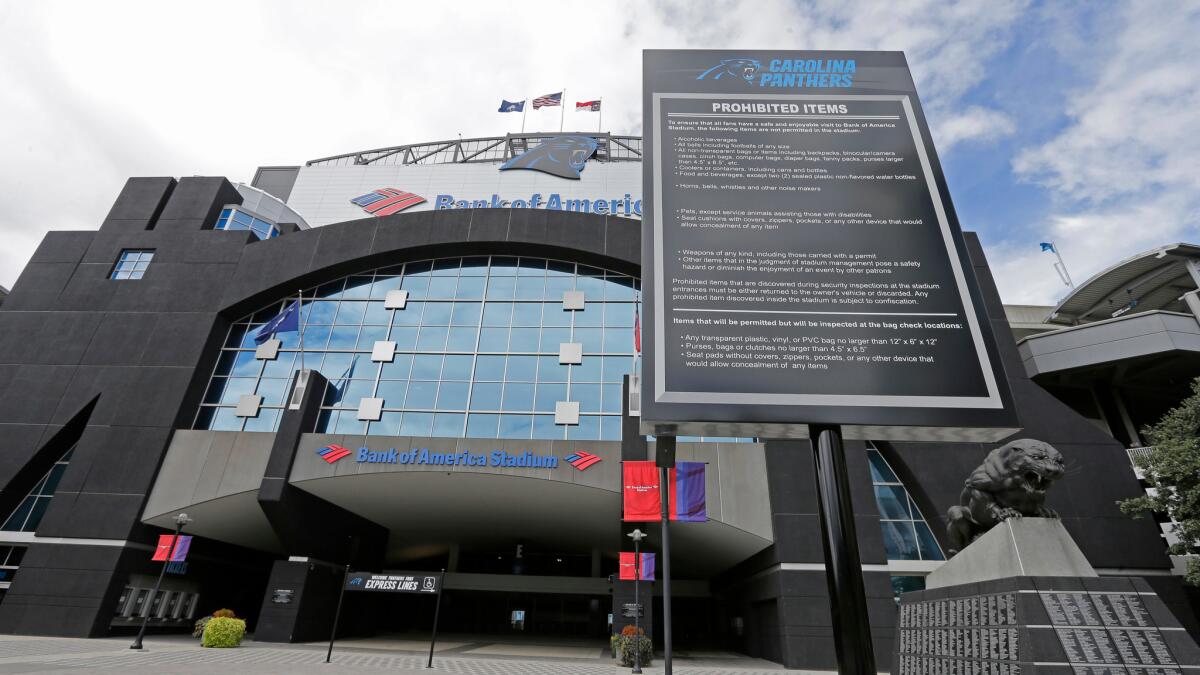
425, 457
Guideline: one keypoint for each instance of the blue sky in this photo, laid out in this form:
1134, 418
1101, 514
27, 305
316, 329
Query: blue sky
1067, 121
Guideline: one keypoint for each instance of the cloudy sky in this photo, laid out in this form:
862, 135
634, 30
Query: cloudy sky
1072, 122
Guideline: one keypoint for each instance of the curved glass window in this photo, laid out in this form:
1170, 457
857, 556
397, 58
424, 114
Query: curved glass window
28, 514
906, 535
477, 351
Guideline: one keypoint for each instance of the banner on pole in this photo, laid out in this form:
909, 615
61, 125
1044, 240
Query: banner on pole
178, 553
629, 570
640, 489
686, 496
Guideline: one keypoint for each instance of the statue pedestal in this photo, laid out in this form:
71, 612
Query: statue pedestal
1023, 600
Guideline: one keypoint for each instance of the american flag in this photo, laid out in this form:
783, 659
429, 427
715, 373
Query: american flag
587, 106
386, 201
547, 101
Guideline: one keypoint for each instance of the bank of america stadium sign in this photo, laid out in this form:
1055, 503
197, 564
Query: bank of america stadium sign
426, 457
387, 201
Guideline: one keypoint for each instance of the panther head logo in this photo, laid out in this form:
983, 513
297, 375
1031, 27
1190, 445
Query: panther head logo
563, 156
745, 69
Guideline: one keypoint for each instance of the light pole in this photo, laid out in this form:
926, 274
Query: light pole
180, 520
637, 536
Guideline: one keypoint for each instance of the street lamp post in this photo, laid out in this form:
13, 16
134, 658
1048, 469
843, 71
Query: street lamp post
180, 520
637, 536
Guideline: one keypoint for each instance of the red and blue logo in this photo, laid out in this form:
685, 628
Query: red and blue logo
332, 453
582, 460
386, 201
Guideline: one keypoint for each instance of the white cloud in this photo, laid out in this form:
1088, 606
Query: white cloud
93, 93
972, 124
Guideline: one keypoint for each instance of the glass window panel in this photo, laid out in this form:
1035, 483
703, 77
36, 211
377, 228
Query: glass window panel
458, 367
588, 396
558, 268
482, 425
432, 338
521, 369
618, 314
226, 420
343, 337
548, 395
461, 339
358, 287
405, 337
392, 392
591, 315
527, 314
333, 289
927, 543
612, 398
348, 423
335, 366
447, 267
466, 313
524, 340
320, 313
530, 288
272, 391
544, 427
556, 286
267, 420
892, 501
497, 314
470, 288
493, 339
420, 269
316, 338
504, 266
518, 396
204, 418
592, 287
369, 335
899, 540
588, 371
442, 287
417, 287
427, 367
238, 335
325, 422
437, 313
515, 426
616, 367
376, 314
553, 337
53, 478
592, 339
486, 396
619, 288
610, 428
550, 370
355, 392
350, 313
235, 387
421, 395
531, 267
35, 514
452, 396
383, 284
216, 388
555, 315
588, 429
474, 267
880, 471
489, 367
417, 424
448, 424
617, 340
388, 424
17, 520
291, 340
239, 364
499, 287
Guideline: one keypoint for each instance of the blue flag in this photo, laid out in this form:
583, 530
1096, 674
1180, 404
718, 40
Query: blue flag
509, 106
287, 321
1047, 247
344, 381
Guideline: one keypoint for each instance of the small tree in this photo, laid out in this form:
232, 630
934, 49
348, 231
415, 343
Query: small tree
1173, 470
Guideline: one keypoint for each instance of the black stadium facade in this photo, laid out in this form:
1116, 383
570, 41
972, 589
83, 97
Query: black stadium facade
460, 401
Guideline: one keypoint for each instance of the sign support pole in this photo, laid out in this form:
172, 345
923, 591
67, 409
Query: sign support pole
337, 614
843, 569
665, 456
437, 609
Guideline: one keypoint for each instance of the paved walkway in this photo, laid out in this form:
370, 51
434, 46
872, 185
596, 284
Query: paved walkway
459, 656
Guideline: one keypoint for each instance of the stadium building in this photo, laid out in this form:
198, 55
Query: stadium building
459, 398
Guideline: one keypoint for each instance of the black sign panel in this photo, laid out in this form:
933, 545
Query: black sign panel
802, 259
394, 582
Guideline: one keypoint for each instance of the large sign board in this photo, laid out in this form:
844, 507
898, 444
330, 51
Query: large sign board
802, 259
393, 582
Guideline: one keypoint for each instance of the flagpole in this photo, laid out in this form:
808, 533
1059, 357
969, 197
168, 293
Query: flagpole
562, 109
600, 117
1058, 255
524, 111
301, 309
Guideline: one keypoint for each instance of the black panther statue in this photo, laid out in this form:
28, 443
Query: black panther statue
1011, 483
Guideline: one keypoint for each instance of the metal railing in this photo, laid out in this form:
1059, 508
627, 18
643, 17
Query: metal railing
609, 148
1136, 455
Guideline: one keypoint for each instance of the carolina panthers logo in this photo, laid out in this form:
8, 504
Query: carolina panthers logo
745, 69
563, 156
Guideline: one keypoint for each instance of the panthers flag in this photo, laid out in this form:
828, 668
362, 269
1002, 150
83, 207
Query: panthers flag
509, 106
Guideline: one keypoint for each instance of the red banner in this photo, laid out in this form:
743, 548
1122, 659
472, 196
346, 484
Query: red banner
643, 501
629, 567
167, 546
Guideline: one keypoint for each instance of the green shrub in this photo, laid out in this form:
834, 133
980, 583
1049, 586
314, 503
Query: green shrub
223, 631
198, 631
626, 644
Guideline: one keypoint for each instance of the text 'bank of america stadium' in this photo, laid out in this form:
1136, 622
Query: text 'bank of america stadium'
459, 398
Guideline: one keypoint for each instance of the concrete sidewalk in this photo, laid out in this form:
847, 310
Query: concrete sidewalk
167, 655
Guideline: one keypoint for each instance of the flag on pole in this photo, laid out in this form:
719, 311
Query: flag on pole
640, 492
344, 381
180, 551
287, 321
685, 494
549, 100
1047, 246
587, 106
637, 329
627, 566
510, 106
